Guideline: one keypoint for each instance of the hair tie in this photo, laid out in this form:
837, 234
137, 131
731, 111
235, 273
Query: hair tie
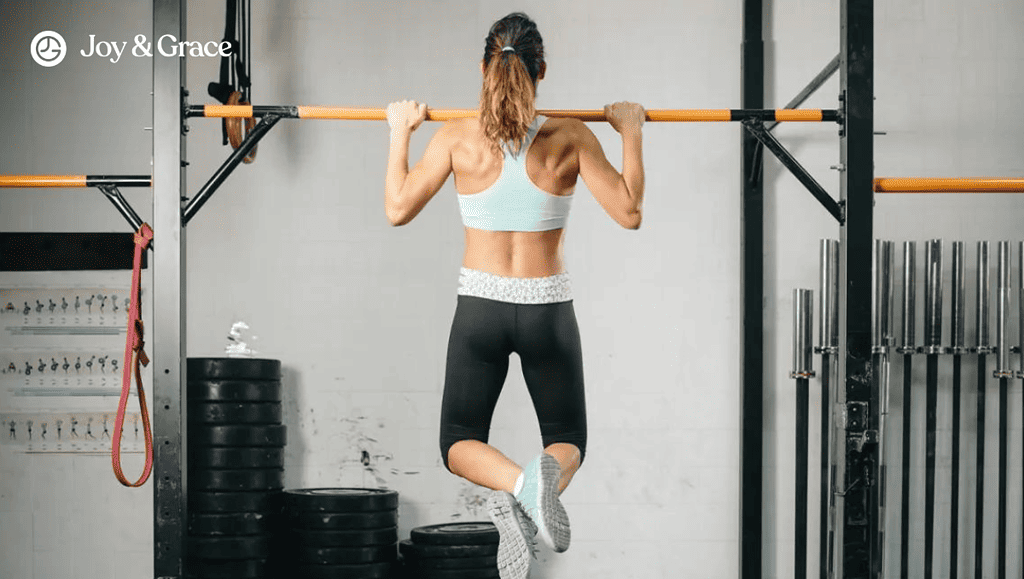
507, 48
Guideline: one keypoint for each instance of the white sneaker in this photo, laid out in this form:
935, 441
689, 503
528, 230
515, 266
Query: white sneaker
539, 498
515, 535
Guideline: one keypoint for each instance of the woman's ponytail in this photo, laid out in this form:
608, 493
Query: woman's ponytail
513, 62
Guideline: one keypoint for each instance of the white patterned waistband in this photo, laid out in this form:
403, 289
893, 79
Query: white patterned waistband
517, 290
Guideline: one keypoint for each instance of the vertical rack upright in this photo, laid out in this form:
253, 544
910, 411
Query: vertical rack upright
858, 474
169, 313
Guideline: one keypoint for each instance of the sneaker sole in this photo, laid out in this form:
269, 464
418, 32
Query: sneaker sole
513, 550
552, 521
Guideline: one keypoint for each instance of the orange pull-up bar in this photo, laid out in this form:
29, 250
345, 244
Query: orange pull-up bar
71, 181
881, 184
591, 115
941, 185
42, 180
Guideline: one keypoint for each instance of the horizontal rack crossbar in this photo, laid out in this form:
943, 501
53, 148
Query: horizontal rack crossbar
592, 115
949, 185
70, 181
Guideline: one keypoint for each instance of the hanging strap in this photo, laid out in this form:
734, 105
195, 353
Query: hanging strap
233, 67
134, 358
223, 89
242, 47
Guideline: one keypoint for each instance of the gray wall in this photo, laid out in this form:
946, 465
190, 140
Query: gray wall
297, 246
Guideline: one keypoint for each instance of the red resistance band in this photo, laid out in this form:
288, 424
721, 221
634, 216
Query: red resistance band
133, 357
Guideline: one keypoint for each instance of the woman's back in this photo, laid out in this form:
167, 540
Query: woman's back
552, 165
552, 162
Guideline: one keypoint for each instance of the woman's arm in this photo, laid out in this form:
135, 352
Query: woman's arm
620, 194
407, 192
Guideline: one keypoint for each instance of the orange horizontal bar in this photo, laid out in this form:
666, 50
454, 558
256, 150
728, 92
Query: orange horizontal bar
944, 185
590, 115
653, 115
342, 113
798, 115
42, 181
228, 111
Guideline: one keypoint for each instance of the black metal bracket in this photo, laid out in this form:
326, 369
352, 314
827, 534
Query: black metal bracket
184, 109
760, 132
826, 73
248, 144
842, 113
123, 207
822, 77
259, 111
856, 419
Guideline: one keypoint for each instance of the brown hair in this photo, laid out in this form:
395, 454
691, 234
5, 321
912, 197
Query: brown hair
513, 61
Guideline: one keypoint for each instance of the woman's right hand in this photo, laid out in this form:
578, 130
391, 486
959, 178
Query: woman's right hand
625, 116
406, 115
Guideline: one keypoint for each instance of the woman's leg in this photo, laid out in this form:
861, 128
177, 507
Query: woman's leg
484, 465
477, 363
552, 361
568, 457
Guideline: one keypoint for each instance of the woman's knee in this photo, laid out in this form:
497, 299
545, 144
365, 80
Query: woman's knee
577, 444
448, 444
445, 449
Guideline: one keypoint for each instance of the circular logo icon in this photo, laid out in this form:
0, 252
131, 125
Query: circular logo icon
49, 48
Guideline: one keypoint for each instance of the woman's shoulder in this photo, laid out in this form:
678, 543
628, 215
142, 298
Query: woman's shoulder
465, 125
567, 128
562, 123
465, 129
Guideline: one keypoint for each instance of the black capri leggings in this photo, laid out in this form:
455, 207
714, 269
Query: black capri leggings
484, 333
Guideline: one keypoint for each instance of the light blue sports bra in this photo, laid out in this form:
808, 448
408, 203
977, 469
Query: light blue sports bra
513, 202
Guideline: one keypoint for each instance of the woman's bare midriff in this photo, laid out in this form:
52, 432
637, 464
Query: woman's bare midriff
515, 253
552, 165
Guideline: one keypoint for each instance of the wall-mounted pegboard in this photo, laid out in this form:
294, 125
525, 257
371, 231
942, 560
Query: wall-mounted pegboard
62, 339
84, 311
69, 432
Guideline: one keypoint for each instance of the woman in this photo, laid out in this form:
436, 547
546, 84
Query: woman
515, 173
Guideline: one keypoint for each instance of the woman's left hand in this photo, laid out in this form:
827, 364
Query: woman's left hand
406, 115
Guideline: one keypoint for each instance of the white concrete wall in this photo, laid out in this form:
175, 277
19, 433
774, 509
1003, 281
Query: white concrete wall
297, 245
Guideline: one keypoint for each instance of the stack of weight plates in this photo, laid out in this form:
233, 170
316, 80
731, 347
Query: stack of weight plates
340, 533
235, 466
451, 551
